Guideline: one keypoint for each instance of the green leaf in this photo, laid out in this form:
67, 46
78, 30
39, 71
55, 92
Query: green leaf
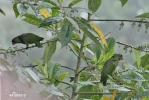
40, 66
22, 9
90, 35
96, 50
32, 19
111, 44
61, 77
50, 21
81, 9
49, 49
86, 23
76, 36
52, 69
15, 9
55, 12
86, 88
74, 2
93, 5
146, 66
80, 84
54, 91
105, 57
115, 86
51, 2
123, 2
84, 76
138, 59
4, 65
120, 96
32, 74
73, 23
142, 94
144, 61
44, 5
60, 2
2, 11
45, 70
66, 35
144, 15
133, 76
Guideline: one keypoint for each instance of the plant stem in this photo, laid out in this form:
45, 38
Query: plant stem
76, 78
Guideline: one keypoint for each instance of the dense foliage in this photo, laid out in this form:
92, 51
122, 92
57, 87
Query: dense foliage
82, 37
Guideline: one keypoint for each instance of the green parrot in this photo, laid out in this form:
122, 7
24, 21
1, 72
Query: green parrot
109, 67
28, 38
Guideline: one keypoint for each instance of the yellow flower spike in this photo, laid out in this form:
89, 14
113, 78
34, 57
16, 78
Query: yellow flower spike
100, 34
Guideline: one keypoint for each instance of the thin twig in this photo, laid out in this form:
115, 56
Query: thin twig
139, 21
43, 65
122, 71
95, 93
125, 45
130, 46
72, 50
90, 67
68, 68
63, 82
57, 81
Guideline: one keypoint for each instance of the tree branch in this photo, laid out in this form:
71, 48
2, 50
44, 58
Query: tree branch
95, 93
139, 21
63, 82
24, 49
72, 51
43, 65
76, 78
131, 46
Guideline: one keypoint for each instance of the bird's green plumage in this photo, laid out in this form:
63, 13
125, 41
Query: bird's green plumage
28, 38
109, 67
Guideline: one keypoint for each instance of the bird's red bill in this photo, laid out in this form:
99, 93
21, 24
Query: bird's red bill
121, 58
13, 43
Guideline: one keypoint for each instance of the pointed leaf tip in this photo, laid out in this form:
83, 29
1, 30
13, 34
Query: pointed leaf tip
100, 34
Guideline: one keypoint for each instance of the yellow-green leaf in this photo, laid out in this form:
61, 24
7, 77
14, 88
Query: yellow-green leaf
44, 12
112, 97
100, 34
138, 58
61, 77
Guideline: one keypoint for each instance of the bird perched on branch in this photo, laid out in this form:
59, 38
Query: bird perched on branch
109, 67
28, 38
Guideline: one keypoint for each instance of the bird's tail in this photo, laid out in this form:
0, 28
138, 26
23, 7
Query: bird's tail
104, 82
38, 44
